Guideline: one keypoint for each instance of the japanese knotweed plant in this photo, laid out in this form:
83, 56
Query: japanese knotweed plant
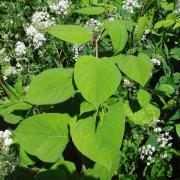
97, 127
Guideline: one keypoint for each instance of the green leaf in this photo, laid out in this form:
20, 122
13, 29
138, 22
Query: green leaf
178, 129
175, 53
168, 23
159, 24
91, 10
86, 107
167, 6
118, 34
137, 68
70, 33
44, 135
25, 158
166, 88
103, 173
64, 170
97, 79
94, 140
50, 87
143, 97
142, 22
9, 115
144, 116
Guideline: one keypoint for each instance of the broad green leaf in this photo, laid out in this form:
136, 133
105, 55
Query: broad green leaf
70, 33
86, 107
144, 116
50, 87
168, 23
9, 113
178, 129
175, 53
12, 118
94, 141
142, 22
91, 10
25, 159
103, 173
143, 97
159, 24
137, 68
167, 6
118, 34
62, 170
97, 79
166, 88
44, 135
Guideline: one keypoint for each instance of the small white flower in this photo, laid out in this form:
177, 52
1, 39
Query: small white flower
94, 25
7, 134
31, 30
11, 70
130, 5
77, 50
60, 7
8, 142
156, 61
157, 129
41, 20
20, 48
38, 40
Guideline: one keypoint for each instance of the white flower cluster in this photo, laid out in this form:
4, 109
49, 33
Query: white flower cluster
130, 5
77, 50
164, 139
94, 25
156, 61
10, 71
5, 139
60, 7
20, 48
147, 153
40, 20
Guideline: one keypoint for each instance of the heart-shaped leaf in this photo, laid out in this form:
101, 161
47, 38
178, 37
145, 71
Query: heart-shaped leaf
137, 68
94, 140
97, 79
44, 135
70, 33
51, 87
118, 33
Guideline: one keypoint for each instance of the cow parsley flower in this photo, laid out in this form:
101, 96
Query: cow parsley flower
60, 7
20, 48
130, 5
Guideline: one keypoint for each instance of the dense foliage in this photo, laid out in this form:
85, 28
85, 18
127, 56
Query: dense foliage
89, 89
